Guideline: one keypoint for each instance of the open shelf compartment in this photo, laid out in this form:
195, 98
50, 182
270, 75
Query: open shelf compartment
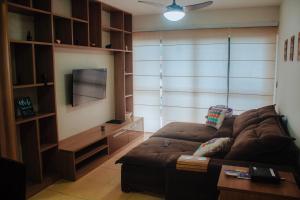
128, 23
95, 24
28, 137
62, 30
80, 9
43, 101
22, 63
112, 17
48, 133
44, 65
80, 33
20, 2
45, 5
35, 26
90, 150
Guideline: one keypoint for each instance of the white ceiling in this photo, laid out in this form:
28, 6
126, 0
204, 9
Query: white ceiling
136, 8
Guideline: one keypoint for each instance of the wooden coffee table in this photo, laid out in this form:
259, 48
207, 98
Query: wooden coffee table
232, 188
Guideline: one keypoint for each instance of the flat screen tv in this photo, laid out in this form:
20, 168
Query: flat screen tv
88, 85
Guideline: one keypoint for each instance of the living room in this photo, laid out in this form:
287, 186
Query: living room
137, 99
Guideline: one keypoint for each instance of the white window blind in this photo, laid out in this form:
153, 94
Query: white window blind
178, 75
194, 71
252, 68
147, 61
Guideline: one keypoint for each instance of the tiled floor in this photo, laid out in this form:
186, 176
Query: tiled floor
103, 183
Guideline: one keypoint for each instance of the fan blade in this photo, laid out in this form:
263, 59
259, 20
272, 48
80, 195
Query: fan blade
198, 6
152, 3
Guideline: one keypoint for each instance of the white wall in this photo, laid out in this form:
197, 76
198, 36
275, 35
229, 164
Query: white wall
73, 120
288, 94
245, 17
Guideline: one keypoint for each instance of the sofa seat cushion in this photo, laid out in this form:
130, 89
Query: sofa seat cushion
194, 131
251, 117
259, 140
159, 152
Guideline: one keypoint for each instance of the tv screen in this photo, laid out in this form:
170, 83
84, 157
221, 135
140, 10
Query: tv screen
89, 85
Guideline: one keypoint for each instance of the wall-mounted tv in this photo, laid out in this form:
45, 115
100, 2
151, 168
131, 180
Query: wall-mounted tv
88, 85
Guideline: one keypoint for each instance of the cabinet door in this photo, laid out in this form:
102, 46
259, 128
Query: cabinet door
118, 140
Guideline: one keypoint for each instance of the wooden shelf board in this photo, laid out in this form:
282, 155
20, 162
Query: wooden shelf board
45, 147
86, 48
80, 20
17, 8
32, 85
90, 154
70, 18
128, 74
90, 166
111, 29
128, 51
128, 96
36, 117
62, 16
29, 42
127, 32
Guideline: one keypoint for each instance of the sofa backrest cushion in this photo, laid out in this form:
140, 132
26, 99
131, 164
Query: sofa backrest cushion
251, 117
258, 140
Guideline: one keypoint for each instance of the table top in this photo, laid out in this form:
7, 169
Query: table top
287, 188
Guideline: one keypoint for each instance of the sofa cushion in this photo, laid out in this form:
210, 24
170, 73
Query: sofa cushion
259, 140
159, 152
215, 117
251, 117
214, 146
194, 131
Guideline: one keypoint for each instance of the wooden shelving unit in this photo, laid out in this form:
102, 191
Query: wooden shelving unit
83, 152
92, 25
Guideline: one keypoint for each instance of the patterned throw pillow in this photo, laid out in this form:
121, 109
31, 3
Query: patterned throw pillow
214, 146
215, 117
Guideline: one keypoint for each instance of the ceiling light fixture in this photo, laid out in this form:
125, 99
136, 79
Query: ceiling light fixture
174, 12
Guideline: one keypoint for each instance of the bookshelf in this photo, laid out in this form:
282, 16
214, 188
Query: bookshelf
88, 25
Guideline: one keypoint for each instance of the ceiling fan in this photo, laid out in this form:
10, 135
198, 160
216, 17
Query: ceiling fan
175, 12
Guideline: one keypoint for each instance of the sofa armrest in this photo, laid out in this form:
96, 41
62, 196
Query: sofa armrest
13, 180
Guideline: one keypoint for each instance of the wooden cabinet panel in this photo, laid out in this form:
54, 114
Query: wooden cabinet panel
118, 140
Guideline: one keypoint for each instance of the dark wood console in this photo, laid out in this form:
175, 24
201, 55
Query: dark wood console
85, 151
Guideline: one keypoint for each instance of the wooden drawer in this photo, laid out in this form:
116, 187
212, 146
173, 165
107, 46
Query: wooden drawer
134, 135
118, 140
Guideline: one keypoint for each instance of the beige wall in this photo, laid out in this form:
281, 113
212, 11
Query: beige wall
288, 93
72, 120
245, 17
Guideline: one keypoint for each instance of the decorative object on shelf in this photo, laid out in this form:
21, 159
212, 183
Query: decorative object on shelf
102, 128
76, 42
126, 48
93, 44
24, 106
299, 46
109, 46
58, 41
29, 36
285, 49
44, 79
292, 48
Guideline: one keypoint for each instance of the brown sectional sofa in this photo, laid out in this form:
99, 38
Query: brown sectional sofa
258, 137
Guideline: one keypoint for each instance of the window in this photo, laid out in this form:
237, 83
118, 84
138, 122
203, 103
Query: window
178, 75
